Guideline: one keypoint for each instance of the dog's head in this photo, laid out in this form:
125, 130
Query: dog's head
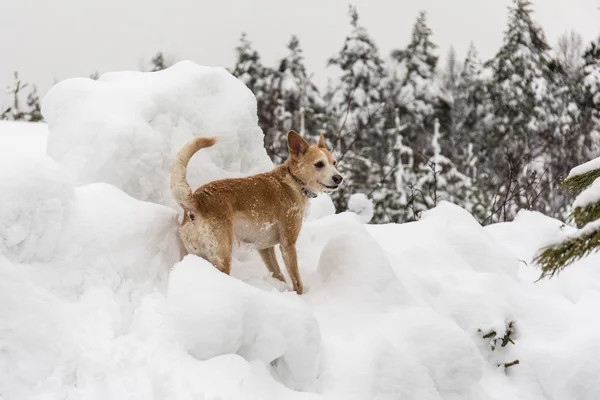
314, 165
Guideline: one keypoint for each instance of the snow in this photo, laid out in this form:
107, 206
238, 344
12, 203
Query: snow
126, 128
98, 302
588, 196
23, 137
362, 206
586, 167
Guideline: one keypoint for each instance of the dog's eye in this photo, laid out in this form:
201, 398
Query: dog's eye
320, 164
334, 163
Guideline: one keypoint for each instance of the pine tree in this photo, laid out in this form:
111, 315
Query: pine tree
299, 105
439, 179
34, 114
248, 67
158, 62
524, 113
589, 100
363, 147
419, 94
263, 82
585, 180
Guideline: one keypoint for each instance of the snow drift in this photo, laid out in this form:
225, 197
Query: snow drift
126, 128
96, 301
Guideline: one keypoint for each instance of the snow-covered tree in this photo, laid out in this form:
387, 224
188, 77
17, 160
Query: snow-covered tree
248, 67
158, 62
524, 112
589, 101
362, 145
263, 82
17, 111
299, 104
439, 179
34, 112
418, 93
585, 180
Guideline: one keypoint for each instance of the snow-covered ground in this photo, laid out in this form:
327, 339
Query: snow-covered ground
96, 301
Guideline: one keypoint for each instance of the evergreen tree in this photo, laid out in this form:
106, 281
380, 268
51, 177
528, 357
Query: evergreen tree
248, 67
16, 111
263, 82
439, 179
524, 114
585, 180
589, 100
363, 147
158, 62
299, 105
34, 114
419, 94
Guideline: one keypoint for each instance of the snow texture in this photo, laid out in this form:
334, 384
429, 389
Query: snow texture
96, 301
586, 167
126, 128
589, 196
362, 206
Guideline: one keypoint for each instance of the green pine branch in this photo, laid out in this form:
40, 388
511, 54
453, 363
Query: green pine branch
554, 259
584, 215
578, 183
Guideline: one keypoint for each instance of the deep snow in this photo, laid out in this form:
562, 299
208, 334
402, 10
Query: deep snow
97, 303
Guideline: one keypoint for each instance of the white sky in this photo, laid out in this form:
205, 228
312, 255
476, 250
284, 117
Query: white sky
50, 40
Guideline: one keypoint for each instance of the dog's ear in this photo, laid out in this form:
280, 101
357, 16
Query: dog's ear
296, 144
321, 143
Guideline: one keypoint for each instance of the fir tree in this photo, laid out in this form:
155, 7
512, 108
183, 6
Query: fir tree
263, 82
589, 100
419, 94
34, 114
158, 62
362, 145
299, 105
248, 67
16, 111
585, 180
439, 179
524, 114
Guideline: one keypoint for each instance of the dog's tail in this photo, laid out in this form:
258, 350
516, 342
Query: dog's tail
180, 188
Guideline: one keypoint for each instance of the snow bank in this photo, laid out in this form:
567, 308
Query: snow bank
126, 128
23, 137
215, 314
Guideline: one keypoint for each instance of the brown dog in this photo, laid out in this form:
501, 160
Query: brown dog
262, 210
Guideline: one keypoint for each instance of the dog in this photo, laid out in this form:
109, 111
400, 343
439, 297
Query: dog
260, 211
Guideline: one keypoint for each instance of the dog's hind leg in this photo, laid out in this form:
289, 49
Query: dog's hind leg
270, 259
217, 243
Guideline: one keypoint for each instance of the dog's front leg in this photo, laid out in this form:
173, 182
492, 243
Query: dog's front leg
291, 263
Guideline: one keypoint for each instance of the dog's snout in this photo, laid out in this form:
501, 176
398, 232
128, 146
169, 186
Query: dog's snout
337, 179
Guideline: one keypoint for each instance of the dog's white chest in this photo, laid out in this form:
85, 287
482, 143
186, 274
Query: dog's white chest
257, 236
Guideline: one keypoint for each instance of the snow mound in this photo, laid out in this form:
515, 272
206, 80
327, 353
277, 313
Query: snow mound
354, 269
126, 128
36, 196
215, 314
321, 206
23, 137
362, 206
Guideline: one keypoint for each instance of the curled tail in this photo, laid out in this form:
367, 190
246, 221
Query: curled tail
180, 188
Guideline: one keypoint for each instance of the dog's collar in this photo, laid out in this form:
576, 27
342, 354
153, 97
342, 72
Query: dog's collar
305, 191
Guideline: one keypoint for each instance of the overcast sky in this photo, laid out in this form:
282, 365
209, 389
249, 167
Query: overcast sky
50, 40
